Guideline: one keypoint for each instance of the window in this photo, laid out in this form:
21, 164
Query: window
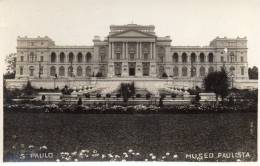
232, 57
222, 59
53, 57
184, 71
242, 59
184, 57
145, 56
88, 57
211, 69
88, 71
70, 71
61, 71
117, 56
32, 57
79, 57
175, 71
175, 58
79, 71
211, 58
193, 72
193, 57
202, 57
242, 71
71, 57
31, 69
21, 70
41, 58
232, 70
202, 71
21, 58
132, 56
53, 71
62, 57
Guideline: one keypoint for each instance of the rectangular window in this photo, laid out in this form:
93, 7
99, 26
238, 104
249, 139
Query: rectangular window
21, 58
222, 59
242, 59
242, 71
21, 70
118, 56
41, 58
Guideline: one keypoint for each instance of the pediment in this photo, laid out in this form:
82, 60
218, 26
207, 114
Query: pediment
132, 33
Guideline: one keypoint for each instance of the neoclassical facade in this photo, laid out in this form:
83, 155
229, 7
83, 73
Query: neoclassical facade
130, 51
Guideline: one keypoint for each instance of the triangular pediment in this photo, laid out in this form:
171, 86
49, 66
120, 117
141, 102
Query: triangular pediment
132, 33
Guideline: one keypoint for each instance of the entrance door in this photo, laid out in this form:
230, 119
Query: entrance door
131, 69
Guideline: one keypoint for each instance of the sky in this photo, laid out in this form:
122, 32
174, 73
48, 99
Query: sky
76, 22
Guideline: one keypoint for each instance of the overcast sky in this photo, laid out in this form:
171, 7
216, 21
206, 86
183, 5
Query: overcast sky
75, 22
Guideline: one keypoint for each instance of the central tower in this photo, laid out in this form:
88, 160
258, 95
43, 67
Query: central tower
132, 51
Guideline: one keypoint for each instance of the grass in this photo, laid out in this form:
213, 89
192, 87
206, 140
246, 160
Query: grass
117, 133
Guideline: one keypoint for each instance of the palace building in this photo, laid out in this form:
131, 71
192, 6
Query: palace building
130, 51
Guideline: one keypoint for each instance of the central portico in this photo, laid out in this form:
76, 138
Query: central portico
132, 51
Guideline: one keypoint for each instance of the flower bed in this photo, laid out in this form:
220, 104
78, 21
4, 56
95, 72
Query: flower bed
115, 109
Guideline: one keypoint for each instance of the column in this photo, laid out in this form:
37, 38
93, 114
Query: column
109, 47
141, 52
151, 50
123, 50
126, 45
137, 50
154, 51
112, 54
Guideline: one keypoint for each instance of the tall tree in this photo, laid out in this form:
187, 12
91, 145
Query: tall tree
217, 82
10, 60
253, 73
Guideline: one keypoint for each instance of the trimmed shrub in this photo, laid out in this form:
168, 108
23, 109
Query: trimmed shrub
98, 95
138, 95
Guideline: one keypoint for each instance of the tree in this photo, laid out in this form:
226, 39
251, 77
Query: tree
253, 73
29, 89
217, 82
10, 60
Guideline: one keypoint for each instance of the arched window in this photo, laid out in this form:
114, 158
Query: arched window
53, 71
31, 68
193, 57
175, 57
53, 57
184, 57
88, 71
79, 57
211, 69
62, 57
161, 70
79, 71
61, 71
211, 58
193, 71
88, 57
232, 70
202, 71
184, 71
202, 57
71, 57
175, 71
70, 71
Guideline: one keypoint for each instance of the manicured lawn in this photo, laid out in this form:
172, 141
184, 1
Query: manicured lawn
115, 134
